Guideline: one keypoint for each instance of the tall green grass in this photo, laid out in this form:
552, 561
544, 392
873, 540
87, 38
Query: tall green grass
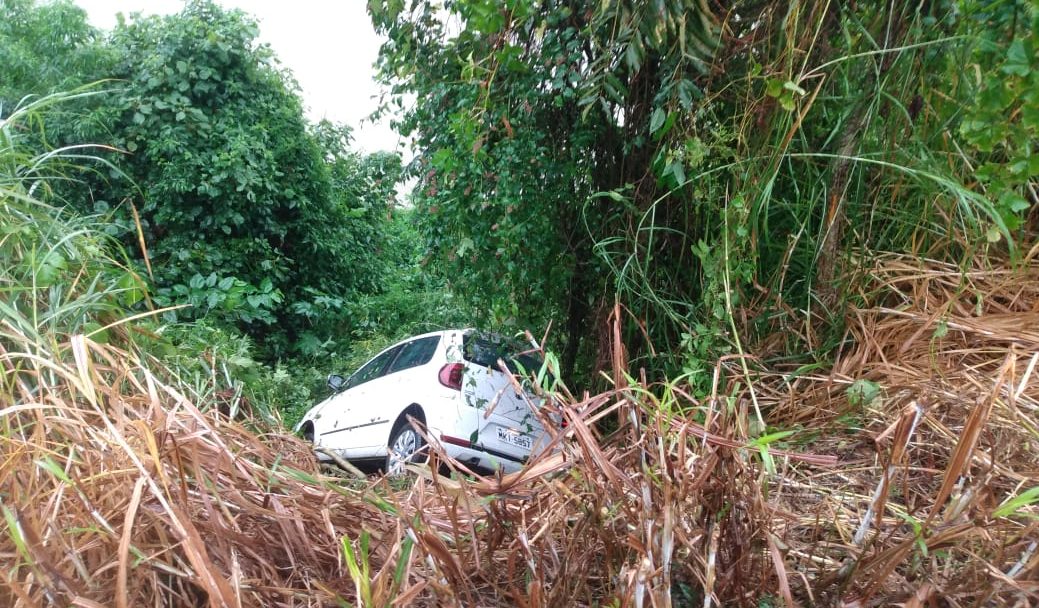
837, 138
60, 273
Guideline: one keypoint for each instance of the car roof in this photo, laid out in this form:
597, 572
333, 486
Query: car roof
440, 332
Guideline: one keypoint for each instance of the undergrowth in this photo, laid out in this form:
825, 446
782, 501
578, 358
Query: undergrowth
860, 435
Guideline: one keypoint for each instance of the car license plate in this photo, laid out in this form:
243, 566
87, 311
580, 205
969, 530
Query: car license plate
515, 438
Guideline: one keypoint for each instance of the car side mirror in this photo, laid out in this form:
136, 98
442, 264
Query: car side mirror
336, 382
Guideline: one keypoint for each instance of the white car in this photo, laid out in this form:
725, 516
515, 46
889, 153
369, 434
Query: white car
450, 382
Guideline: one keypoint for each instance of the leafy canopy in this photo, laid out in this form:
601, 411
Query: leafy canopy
699, 163
229, 199
521, 115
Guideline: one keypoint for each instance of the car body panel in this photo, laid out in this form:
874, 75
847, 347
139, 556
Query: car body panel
486, 424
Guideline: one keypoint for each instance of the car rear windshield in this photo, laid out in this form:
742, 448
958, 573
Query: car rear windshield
486, 350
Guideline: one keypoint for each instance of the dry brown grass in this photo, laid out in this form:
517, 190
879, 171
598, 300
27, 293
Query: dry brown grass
117, 490
953, 435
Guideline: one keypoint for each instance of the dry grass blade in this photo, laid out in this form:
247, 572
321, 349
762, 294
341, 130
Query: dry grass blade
120, 491
117, 488
928, 333
124, 543
903, 435
961, 456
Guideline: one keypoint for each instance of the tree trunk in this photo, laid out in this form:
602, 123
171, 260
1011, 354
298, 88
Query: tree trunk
836, 211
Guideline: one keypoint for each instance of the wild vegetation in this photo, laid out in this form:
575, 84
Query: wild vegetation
689, 160
786, 252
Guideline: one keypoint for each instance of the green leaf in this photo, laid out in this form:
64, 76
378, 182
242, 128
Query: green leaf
863, 392
791, 86
687, 92
96, 332
657, 120
130, 288
774, 87
1014, 202
14, 532
678, 171
1013, 505
47, 463
765, 440
613, 195
402, 561
1017, 62
50, 268
631, 57
767, 460
993, 234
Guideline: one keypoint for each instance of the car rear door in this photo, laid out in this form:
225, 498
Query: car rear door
348, 409
387, 395
507, 424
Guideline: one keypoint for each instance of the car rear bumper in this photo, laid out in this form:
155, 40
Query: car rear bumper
475, 456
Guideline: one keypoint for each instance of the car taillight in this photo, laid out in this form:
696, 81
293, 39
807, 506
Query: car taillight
451, 375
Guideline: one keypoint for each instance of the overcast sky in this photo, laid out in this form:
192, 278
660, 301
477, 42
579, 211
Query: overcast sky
329, 45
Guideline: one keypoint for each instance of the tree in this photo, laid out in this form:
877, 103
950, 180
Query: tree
232, 201
522, 116
691, 160
45, 49
243, 207
363, 188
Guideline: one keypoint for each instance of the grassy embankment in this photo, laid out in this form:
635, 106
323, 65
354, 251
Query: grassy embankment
122, 485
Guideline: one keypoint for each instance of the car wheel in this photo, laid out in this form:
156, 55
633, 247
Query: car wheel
405, 446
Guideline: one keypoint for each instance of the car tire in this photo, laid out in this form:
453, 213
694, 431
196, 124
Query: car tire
405, 446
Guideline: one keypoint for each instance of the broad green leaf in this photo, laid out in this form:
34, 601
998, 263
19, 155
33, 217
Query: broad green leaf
1018, 59
862, 392
657, 120
774, 87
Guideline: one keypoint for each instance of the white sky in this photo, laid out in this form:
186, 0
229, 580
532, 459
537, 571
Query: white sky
329, 46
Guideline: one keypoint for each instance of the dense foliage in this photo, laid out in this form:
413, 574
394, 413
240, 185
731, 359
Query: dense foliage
231, 202
731, 182
60, 273
44, 48
243, 210
525, 115
694, 161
